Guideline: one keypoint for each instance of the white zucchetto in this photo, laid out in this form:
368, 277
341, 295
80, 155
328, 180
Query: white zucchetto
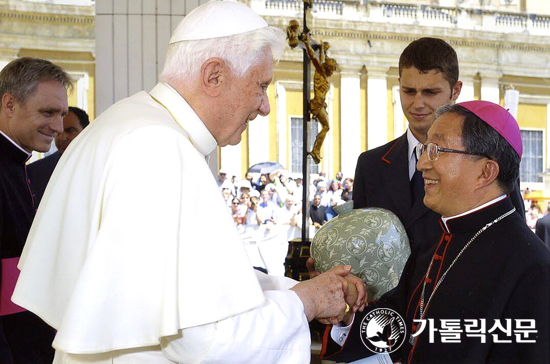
217, 19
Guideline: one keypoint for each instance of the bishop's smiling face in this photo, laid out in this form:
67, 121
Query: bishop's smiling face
449, 180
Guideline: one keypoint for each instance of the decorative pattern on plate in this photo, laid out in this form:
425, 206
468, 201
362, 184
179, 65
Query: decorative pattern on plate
372, 240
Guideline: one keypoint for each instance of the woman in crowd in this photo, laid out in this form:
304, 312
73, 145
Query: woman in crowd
238, 214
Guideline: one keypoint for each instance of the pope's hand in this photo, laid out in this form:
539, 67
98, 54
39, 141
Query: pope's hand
355, 293
323, 296
358, 300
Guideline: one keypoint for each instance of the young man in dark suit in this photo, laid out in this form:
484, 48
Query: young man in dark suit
386, 176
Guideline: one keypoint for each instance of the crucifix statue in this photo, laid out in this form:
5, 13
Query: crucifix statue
324, 67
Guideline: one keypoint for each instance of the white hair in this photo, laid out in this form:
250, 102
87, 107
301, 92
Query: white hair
241, 51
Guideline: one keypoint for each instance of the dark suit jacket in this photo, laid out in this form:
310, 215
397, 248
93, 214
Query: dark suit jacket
382, 180
542, 229
40, 173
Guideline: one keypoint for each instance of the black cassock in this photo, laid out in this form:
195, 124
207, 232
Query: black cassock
40, 173
24, 338
503, 274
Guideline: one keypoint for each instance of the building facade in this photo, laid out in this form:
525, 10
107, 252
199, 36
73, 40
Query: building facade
61, 31
114, 48
503, 50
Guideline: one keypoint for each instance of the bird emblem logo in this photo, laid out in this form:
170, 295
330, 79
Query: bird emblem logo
383, 330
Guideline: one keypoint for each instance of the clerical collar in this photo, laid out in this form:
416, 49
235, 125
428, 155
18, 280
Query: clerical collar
445, 220
14, 143
412, 142
185, 116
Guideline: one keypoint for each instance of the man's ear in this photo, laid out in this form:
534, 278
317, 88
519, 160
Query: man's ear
8, 104
456, 90
489, 173
213, 74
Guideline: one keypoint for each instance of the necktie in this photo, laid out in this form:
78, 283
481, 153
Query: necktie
417, 185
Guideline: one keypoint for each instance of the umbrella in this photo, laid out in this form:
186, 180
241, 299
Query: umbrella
265, 167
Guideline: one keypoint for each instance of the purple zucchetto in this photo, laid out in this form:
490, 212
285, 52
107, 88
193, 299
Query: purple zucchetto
499, 119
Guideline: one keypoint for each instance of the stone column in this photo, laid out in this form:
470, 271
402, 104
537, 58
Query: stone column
350, 116
490, 90
259, 139
467, 93
131, 41
231, 160
282, 126
377, 106
547, 159
398, 115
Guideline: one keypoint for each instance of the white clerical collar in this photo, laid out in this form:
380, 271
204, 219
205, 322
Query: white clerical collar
444, 219
412, 142
185, 116
14, 143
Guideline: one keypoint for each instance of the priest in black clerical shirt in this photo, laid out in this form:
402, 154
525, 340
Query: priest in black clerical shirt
317, 212
33, 103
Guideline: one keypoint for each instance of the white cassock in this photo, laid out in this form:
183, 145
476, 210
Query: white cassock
132, 255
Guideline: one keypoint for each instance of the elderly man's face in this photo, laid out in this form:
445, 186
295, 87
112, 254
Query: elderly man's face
449, 180
421, 94
71, 128
35, 124
245, 98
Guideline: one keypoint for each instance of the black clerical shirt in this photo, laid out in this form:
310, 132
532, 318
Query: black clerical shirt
16, 202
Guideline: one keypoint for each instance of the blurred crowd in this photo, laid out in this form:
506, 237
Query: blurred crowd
534, 210
276, 198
